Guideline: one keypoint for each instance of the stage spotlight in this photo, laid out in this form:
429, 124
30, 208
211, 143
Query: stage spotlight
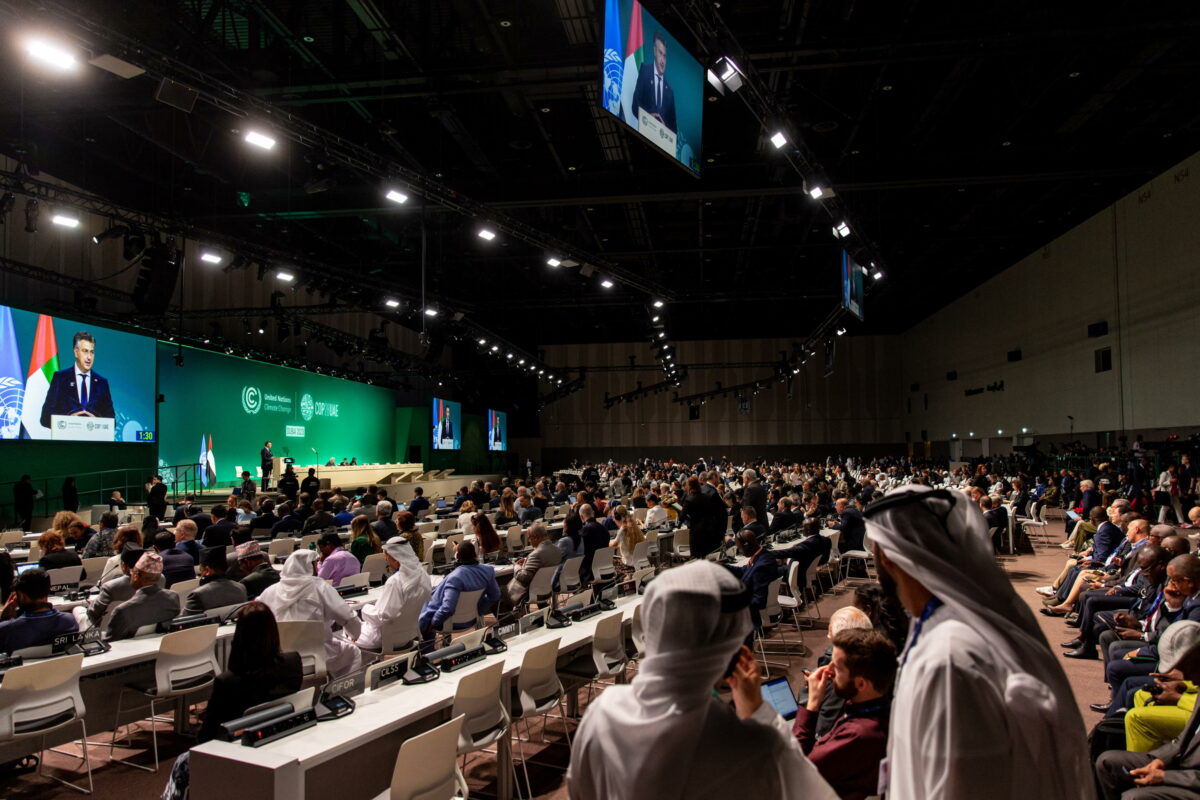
521, 362
509, 356
1024, 430
486, 234
391, 302
259, 140
816, 192
31, 215
50, 54
606, 283
661, 334
779, 139
842, 230
725, 75
841, 331
482, 342
878, 275
287, 277
495, 347
396, 196
999, 431
658, 304
65, 220
431, 312
111, 233
655, 318
554, 262
209, 257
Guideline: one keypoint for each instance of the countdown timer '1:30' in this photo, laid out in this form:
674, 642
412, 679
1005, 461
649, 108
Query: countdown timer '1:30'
145, 436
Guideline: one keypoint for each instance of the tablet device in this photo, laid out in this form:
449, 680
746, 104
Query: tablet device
1073, 516
779, 694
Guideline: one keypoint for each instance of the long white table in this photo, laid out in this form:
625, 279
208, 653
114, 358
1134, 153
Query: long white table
358, 752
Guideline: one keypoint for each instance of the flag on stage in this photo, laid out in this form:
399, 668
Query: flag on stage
633, 63
613, 54
43, 363
211, 463
202, 462
12, 380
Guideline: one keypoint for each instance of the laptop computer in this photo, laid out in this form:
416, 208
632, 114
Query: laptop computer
441, 503
23, 568
779, 694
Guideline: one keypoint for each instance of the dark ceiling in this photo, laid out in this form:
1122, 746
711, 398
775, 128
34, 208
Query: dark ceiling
961, 135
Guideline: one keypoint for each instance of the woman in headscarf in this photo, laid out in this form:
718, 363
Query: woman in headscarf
982, 708
406, 590
301, 595
666, 735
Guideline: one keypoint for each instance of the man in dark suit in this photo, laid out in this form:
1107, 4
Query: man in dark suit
266, 459
320, 518
419, 502
78, 390
786, 517
995, 517
156, 498
312, 484
759, 572
751, 522
813, 547
755, 496
850, 523
220, 532
652, 92
594, 536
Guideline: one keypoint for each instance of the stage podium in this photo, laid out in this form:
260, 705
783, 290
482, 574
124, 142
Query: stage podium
657, 133
82, 428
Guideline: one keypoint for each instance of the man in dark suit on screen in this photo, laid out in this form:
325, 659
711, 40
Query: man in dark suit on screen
652, 91
78, 390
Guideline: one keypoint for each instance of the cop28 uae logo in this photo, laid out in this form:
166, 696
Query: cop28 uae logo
306, 407
251, 399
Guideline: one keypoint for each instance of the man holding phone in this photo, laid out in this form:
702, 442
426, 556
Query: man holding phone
1170, 772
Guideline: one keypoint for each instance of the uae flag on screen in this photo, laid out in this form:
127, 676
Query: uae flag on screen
633, 63
43, 363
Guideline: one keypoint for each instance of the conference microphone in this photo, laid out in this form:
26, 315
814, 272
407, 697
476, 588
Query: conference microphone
445, 652
569, 608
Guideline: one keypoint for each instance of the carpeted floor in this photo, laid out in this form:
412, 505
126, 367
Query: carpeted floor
547, 769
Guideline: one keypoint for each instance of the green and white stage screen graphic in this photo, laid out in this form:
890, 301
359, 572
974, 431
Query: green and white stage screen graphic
218, 410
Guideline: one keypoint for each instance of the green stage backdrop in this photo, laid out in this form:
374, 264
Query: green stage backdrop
241, 403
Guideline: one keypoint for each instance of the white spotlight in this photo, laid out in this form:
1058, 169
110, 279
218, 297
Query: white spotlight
816, 192
287, 277
842, 230
209, 257
658, 304
391, 303
486, 234
482, 342
495, 347
259, 140
606, 283
65, 220
431, 312
878, 275
779, 139
396, 196
554, 262
50, 54
841, 331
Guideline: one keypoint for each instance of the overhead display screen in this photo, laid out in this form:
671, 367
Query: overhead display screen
651, 83
497, 434
62, 380
447, 425
852, 285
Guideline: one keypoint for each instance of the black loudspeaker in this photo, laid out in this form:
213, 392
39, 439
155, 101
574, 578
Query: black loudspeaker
693, 412
952, 375
414, 454
1014, 355
1098, 329
157, 275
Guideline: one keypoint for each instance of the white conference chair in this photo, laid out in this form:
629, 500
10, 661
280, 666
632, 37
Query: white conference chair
280, 547
485, 717
37, 699
306, 637
607, 658
466, 610
541, 587
64, 576
307, 541
832, 568
427, 766
186, 663
640, 557
682, 544
569, 581
602, 564
93, 568
375, 565
358, 579
184, 588
536, 693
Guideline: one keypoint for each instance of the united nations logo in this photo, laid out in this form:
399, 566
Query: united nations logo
306, 407
91, 426
12, 397
251, 399
62, 424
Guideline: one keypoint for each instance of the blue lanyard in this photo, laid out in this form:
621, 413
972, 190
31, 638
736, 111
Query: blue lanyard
930, 607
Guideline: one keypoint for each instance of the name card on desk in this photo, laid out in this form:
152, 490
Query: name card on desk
350, 686
66, 641
387, 672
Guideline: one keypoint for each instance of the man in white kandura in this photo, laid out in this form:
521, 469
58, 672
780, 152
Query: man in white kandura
403, 595
982, 709
666, 735
301, 595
